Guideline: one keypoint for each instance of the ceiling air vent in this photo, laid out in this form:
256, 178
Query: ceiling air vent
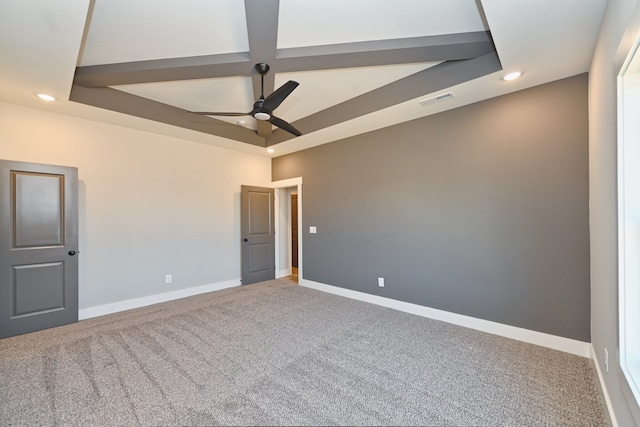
437, 98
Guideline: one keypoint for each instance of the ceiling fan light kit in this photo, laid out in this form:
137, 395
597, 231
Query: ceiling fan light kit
263, 107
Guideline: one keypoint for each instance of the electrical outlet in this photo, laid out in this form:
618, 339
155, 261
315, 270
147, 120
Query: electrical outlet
168, 278
381, 282
606, 360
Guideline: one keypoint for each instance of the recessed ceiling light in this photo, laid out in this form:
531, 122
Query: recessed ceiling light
45, 97
270, 150
512, 75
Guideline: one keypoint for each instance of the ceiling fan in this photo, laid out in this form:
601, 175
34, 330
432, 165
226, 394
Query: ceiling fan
263, 108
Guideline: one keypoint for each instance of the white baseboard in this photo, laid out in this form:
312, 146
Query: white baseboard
567, 345
603, 387
283, 272
101, 310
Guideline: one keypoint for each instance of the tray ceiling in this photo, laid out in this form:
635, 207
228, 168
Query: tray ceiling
161, 60
361, 65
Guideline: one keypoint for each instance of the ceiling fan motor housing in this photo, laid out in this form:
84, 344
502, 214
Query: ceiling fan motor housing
260, 113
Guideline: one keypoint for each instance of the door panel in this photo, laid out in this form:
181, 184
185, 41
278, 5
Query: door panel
258, 234
38, 247
38, 209
259, 255
38, 288
259, 209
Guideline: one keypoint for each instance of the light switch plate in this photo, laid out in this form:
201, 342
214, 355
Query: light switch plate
313, 229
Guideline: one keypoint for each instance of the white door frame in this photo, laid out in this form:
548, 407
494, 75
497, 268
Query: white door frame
281, 192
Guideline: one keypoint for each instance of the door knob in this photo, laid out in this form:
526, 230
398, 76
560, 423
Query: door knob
245, 240
72, 253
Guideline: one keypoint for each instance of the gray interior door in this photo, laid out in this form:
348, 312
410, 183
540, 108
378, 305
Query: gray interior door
258, 235
38, 247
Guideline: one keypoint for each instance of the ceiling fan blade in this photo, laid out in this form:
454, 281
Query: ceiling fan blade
212, 113
284, 125
272, 101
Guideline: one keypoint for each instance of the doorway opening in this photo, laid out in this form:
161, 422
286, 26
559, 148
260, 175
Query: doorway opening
288, 229
293, 210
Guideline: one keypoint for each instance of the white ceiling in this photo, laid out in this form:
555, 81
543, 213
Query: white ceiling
42, 42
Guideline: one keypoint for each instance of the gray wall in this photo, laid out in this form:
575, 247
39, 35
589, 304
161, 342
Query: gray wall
481, 210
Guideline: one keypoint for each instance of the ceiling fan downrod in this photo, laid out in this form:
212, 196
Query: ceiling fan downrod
262, 69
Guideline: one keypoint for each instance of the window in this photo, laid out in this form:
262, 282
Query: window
629, 217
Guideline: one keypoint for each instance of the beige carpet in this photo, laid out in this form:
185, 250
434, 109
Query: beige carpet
278, 354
